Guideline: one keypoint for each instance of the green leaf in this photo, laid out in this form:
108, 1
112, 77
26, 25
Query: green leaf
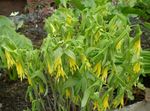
78, 87
70, 54
4, 21
71, 82
87, 93
12, 37
64, 2
40, 75
86, 97
89, 3
147, 25
137, 11
77, 4
140, 86
58, 53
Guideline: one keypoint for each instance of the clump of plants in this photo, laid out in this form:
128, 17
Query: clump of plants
18, 57
88, 61
91, 56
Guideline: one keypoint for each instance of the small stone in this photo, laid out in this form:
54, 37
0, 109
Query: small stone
0, 105
147, 94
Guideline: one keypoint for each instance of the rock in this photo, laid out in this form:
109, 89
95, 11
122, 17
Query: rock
0, 105
147, 94
139, 106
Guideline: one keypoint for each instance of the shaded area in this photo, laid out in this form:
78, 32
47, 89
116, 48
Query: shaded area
9, 6
12, 94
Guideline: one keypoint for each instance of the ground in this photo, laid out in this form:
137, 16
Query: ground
12, 95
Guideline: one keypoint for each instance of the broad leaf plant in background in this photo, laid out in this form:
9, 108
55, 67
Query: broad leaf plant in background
18, 57
88, 61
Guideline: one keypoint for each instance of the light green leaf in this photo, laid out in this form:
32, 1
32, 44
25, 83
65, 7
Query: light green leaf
86, 97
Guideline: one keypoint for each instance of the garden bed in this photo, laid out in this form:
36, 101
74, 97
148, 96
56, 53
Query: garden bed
12, 93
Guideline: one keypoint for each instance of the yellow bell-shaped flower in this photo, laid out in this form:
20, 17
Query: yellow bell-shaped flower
72, 64
105, 102
20, 70
137, 47
97, 69
137, 67
10, 60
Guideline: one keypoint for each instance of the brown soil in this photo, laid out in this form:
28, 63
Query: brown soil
12, 94
9, 6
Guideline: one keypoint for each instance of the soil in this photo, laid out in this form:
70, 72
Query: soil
9, 6
12, 94
33, 26
139, 95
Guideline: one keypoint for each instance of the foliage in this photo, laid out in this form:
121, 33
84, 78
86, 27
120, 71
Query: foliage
138, 7
17, 55
88, 60
92, 56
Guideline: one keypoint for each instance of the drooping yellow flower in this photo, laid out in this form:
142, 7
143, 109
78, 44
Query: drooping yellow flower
49, 68
118, 101
73, 65
97, 69
136, 67
10, 60
60, 73
105, 102
85, 61
57, 63
20, 70
104, 73
137, 47
118, 46
28, 77
29, 80
69, 19
122, 101
95, 105
59, 69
